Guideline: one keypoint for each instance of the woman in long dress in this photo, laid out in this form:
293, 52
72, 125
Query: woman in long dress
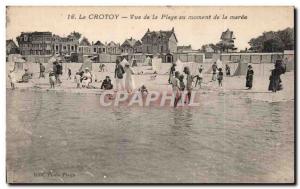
129, 82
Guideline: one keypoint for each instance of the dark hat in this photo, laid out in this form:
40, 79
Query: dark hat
249, 66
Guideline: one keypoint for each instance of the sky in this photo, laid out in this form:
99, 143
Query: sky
195, 32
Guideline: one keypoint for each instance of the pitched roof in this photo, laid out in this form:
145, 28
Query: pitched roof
112, 44
131, 42
99, 43
10, 41
163, 34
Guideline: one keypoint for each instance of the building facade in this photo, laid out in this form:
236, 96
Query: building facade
160, 42
35, 43
98, 47
131, 46
11, 47
154, 42
113, 48
64, 45
84, 46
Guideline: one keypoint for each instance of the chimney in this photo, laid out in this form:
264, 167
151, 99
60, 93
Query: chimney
172, 29
148, 30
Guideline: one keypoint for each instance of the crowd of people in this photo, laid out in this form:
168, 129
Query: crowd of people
176, 79
123, 76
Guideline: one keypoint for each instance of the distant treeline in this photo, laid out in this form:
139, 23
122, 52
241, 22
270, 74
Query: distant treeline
273, 41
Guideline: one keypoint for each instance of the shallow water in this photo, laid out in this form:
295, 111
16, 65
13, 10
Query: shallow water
71, 138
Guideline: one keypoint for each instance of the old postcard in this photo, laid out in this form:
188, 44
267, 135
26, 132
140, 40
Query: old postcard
157, 94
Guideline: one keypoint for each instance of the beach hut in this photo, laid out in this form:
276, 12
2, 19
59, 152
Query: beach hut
49, 66
288, 58
86, 64
156, 64
241, 69
148, 61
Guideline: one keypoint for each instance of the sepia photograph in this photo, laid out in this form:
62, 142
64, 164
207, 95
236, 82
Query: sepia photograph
150, 94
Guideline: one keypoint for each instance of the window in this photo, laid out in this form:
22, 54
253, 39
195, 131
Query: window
72, 48
95, 49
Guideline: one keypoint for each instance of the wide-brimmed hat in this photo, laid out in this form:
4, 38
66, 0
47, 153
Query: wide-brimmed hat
86, 68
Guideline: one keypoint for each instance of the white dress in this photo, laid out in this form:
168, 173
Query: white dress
129, 82
12, 77
88, 80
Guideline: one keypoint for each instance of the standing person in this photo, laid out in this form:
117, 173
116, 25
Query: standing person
181, 88
42, 71
214, 69
129, 83
249, 77
172, 71
55, 69
199, 77
227, 69
52, 79
220, 77
12, 78
176, 88
275, 80
60, 72
78, 80
69, 73
86, 77
119, 72
189, 82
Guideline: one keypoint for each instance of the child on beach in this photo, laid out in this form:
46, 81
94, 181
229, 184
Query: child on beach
214, 69
52, 79
12, 78
199, 77
143, 90
220, 77
78, 79
181, 88
176, 88
227, 68
189, 82
69, 73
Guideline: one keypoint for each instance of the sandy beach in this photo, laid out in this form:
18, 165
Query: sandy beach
234, 85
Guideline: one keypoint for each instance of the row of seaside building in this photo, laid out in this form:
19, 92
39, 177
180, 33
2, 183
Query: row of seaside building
72, 48
35, 46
